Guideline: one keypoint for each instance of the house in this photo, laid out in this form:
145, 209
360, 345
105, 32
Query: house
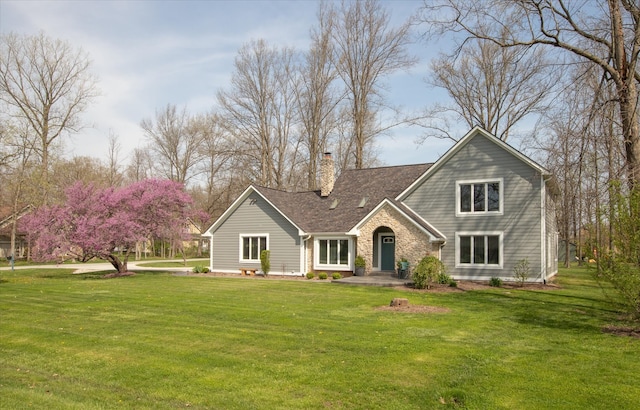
481, 208
7, 217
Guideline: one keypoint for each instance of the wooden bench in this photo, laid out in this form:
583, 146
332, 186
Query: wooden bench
248, 271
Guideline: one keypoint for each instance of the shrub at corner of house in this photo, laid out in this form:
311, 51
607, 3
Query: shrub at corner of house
205, 270
198, 269
427, 271
323, 275
336, 275
495, 282
521, 271
310, 275
453, 283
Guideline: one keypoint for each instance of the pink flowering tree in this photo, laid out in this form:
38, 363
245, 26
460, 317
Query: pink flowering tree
108, 223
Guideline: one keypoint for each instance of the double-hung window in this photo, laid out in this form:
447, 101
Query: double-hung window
251, 246
332, 253
479, 197
479, 249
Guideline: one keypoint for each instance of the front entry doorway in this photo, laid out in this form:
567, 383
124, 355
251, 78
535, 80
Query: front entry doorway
387, 252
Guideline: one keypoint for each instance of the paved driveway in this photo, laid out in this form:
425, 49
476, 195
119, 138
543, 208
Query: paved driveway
102, 266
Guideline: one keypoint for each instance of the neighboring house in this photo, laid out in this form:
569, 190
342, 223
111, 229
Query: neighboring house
481, 208
6, 225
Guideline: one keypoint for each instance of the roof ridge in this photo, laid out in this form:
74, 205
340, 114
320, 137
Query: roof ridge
389, 166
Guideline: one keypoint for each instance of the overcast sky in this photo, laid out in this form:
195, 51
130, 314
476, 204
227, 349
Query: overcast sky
148, 54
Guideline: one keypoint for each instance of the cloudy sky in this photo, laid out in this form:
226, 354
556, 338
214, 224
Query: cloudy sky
148, 54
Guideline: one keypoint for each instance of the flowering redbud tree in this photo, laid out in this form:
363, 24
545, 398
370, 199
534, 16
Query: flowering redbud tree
108, 223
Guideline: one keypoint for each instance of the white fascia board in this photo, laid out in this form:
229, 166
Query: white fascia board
458, 146
356, 229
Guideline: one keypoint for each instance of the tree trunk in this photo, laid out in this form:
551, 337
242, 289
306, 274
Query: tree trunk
120, 265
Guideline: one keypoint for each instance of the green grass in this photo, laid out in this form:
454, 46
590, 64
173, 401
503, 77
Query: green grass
175, 263
160, 341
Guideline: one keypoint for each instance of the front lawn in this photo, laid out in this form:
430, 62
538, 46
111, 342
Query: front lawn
159, 341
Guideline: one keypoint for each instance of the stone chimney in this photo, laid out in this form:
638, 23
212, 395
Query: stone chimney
326, 175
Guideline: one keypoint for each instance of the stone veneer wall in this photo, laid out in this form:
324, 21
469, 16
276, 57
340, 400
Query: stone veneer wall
410, 242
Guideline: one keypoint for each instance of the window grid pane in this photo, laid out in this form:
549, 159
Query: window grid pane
465, 249
333, 252
323, 251
254, 248
245, 248
493, 196
493, 250
478, 250
465, 198
478, 198
344, 252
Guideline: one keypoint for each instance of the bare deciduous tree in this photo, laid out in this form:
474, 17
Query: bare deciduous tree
175, 138
317, 97
47, 84
492, 86
140, 165
366, 50
113, 162
258, 113
605, 34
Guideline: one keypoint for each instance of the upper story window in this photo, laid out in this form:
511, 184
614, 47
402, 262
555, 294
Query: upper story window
479, 197
251, 246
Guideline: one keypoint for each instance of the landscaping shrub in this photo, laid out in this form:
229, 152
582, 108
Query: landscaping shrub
323, 275
265, 263
444, 279
336, 275
453, 283
625, 278
199, 269
310, 275
427, 271
495, 282
521, 271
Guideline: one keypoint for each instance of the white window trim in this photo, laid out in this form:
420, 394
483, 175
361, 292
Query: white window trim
480, 181
335, 267
240, 246
500, 264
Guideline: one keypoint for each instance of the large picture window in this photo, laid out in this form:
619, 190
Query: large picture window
332, 253
479, 249
479, 197
251, 247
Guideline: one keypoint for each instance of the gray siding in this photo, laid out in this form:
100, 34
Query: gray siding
552, 235
435, 201
255, 216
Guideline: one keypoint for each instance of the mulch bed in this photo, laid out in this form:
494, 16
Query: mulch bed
415, 309
622, 331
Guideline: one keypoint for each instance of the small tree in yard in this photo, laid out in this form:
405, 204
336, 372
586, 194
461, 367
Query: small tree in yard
427, 272
521, 271
265, 262
107, 223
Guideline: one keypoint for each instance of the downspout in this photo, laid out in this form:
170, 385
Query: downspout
305, 252
543, 229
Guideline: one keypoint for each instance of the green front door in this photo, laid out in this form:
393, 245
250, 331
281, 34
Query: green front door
387, 253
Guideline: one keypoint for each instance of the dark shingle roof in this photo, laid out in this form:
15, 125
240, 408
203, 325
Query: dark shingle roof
313, 213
